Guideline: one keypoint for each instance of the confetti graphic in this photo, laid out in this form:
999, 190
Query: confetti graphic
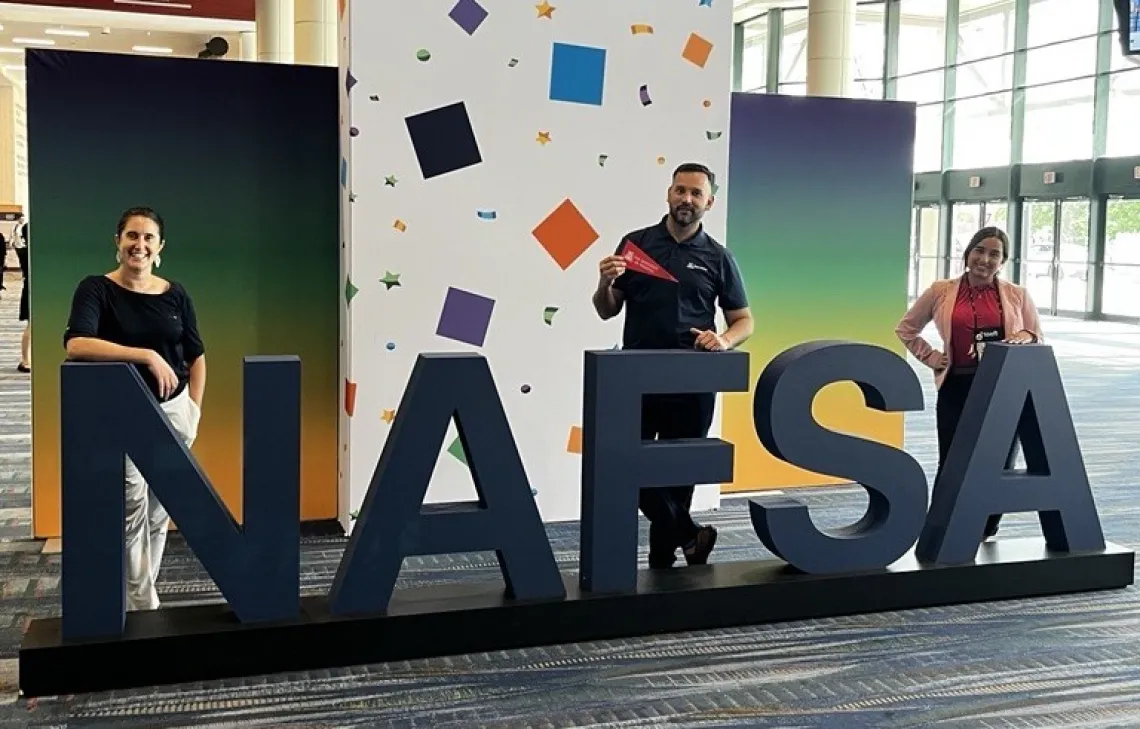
388, 416
525, 389
706, 3
468, 15
455, 450
543, 138
390, 280
390, 181
443, 140
602, 159
343, 172
713, 136
545, 10
423, 55
643, 94
574, 441
487, 214
577, 74
465, 317
400, 225
349, 81
697, 50
353, 132
390, 346
349, 398
565, 234
660, 160
374, 97
641, 29
350, 291
706, 103
512, 63
548, 314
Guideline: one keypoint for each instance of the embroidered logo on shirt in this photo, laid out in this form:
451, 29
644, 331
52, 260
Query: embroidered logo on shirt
695, 267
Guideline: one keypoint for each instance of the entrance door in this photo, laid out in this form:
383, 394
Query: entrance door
968, 218
1055, 249
924, 258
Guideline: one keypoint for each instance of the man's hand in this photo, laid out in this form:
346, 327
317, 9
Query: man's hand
611, 267
709, 341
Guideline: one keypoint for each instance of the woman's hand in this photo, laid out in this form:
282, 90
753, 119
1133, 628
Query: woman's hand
163, 374
941, 363
1022, 337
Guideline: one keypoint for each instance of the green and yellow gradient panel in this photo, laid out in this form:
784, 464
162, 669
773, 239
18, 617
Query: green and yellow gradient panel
819, 199
241, 160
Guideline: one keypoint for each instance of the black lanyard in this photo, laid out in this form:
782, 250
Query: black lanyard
970, 297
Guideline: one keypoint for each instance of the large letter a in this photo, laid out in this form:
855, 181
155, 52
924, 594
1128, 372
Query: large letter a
393, 521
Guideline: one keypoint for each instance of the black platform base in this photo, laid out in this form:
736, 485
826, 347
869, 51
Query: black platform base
206, 642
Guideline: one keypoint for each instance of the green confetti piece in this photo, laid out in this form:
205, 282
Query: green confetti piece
423, 55
456, 450
548, 314
712, 136
349, 291
390, 279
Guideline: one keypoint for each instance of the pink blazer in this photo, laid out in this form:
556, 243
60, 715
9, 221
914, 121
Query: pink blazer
936, 304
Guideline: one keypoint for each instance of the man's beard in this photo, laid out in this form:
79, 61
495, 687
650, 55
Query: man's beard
685, 215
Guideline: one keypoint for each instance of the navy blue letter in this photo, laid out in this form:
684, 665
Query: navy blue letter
107, 413
394, 522
894, 481
1016, 392
616, 463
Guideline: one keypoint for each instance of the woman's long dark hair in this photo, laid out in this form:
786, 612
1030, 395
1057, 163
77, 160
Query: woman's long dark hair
990, 231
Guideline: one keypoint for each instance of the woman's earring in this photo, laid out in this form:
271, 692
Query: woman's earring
157, 261
118, 257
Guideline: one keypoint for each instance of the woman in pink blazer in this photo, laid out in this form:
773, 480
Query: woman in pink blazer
969, 312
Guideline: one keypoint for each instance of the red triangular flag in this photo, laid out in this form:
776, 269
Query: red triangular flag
638, 260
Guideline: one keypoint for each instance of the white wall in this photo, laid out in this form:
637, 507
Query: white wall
446, 244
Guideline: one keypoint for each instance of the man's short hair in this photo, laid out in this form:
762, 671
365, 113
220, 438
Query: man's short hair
696, 167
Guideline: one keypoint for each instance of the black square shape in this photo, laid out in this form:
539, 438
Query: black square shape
443, 140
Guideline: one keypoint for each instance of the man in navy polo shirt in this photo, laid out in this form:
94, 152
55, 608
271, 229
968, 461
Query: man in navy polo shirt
681, 314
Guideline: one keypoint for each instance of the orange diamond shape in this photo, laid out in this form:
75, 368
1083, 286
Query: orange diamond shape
574, 442
697, 50
565, 234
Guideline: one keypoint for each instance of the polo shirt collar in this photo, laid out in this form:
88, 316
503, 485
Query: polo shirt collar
695, 238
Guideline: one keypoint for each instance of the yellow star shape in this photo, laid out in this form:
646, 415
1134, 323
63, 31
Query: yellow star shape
388, 416
545, 10
543, 138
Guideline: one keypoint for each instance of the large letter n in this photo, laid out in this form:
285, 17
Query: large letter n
107, 413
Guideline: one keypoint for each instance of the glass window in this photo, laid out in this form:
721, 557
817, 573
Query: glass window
928, 138
793, 47
870, 44
1072, 59
1059, 122
982, 131
921, 88
985, 30
1057, 20
799, 89
867, 89
922, 35
754, 62
1122, 258
1124, 113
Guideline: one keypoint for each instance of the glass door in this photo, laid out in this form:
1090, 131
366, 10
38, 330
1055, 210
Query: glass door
1055, 255
1038, 252
924, 256
1122, 259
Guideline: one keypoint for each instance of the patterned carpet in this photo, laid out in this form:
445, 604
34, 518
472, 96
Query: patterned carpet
1069, 661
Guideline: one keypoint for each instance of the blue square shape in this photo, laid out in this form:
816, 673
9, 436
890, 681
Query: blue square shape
577, 74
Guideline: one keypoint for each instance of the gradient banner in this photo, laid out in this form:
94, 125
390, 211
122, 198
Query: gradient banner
241, 161
819, 201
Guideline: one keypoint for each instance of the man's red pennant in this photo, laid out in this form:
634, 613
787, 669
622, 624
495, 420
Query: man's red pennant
640, 261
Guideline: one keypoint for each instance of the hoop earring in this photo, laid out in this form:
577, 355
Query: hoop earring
157, 261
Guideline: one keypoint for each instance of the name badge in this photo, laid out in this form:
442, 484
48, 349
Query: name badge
984, 336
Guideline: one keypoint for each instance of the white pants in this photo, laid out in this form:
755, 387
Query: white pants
147, 521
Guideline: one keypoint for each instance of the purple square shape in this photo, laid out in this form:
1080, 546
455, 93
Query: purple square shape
468, 15
465, 317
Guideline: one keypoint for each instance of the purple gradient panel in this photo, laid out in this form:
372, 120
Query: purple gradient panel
468, 15
465, 317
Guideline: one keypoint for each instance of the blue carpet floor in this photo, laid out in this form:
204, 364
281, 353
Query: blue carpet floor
1071, 661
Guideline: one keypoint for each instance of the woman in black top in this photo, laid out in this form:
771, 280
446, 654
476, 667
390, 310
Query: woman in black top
132, 315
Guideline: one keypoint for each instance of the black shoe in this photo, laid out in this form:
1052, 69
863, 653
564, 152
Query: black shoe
662, 561
23, 368
702, 546
992, 525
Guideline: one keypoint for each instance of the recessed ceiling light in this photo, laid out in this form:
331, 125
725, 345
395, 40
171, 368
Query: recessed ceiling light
68, 32
34, 41
151, 49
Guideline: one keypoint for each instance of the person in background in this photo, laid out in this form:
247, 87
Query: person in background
681, 314
20, 243
132, 315
969, 312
